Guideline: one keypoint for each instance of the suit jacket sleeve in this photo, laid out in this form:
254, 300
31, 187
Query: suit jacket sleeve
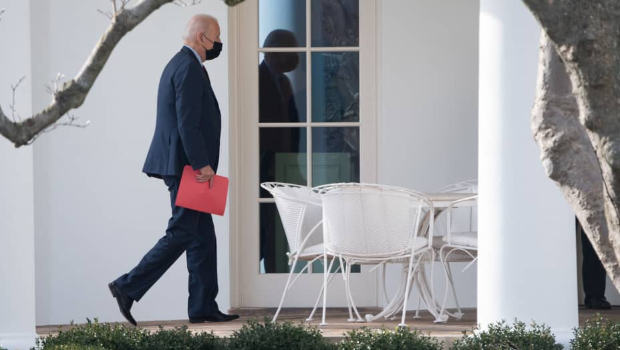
189, 86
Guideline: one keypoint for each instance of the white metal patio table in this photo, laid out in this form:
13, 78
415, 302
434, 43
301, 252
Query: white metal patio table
440, 202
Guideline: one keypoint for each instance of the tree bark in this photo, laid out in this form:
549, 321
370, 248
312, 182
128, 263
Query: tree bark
567, 154
585, 37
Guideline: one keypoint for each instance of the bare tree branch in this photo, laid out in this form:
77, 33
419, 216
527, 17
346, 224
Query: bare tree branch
71, 122
13, 105
184, 3
108, 14
233, 2
1, 12
124, 3
56, 84
73, 93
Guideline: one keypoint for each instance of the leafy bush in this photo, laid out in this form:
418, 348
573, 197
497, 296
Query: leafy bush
597, 334
94, 334
261, 336
503, 336
181, 338
402, 338
76, 347
107, 336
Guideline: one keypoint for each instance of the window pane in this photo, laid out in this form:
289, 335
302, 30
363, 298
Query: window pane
282, 23
335, 155
283, 156
273, 243
335, 23
335, 87
282, 87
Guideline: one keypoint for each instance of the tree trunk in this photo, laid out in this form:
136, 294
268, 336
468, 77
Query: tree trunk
578, 130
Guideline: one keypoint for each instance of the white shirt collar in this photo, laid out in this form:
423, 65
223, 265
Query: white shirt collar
195, 53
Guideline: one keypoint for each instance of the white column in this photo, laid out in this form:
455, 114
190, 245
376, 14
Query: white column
17, 286
527, 268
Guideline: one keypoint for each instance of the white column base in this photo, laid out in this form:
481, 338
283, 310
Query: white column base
563, 336
18, 341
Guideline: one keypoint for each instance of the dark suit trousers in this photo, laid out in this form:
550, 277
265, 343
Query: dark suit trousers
593, 272
188, 231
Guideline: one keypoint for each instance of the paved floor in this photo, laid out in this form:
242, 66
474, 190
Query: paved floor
337, 322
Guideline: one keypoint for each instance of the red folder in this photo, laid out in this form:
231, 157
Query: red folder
198, 196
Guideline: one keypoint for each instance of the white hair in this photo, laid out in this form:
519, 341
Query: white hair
197, 24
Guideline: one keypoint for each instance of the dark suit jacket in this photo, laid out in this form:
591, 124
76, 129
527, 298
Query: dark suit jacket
188, 126
277, 106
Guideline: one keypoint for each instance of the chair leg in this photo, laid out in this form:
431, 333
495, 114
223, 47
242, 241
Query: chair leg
350, 296
387, 298
417, 310
344, 278
407, 289
459, 313
316, 304
383, 278
448, 283
325, 275
286, 288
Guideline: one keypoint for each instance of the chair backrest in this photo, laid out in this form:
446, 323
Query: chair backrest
463, 219
300, 210
372, 221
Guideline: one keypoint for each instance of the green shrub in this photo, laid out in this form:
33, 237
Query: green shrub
278, 336
75, 347
181, 338
403, 338
503, 336
597, 334
107, 336
95, 334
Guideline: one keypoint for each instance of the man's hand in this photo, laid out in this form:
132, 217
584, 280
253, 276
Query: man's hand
206, 174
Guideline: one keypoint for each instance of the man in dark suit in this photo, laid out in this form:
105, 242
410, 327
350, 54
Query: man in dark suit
276, 105
187, 132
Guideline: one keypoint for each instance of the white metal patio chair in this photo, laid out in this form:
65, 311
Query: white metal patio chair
301, 214
374, 224
456, 238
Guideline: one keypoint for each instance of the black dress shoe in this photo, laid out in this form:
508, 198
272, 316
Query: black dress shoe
124, 302
218, 316
598, 303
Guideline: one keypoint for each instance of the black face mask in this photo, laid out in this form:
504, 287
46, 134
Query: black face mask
215, 51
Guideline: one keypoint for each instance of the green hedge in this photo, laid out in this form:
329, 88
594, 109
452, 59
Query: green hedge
75, 347
107, 336
503, 336
285, 335
597, 334
400, 338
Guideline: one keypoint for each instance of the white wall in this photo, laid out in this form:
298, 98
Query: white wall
17, 278
96, 213
428, 123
